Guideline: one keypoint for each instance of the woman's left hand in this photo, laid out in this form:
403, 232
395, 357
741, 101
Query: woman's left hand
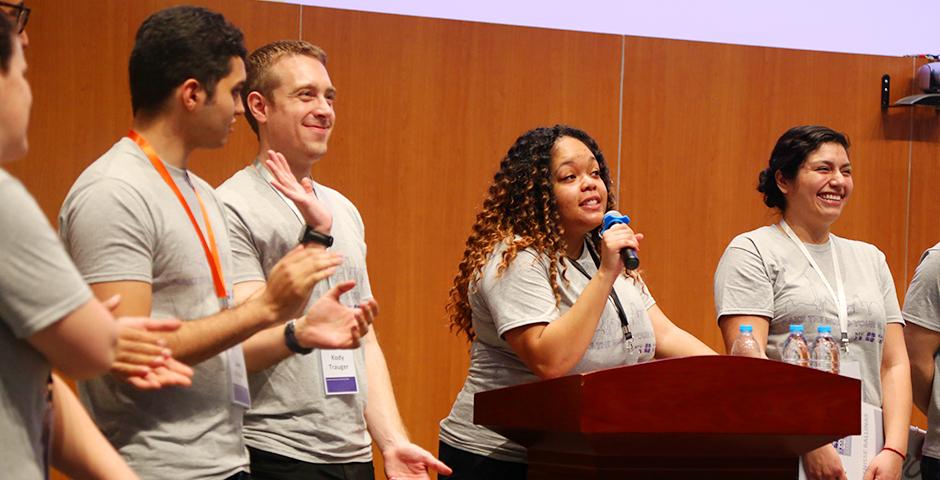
301, 193
885, 466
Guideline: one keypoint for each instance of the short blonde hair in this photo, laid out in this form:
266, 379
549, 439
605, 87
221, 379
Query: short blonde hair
260, 62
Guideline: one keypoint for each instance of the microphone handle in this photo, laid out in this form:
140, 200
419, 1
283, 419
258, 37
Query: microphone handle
630, 260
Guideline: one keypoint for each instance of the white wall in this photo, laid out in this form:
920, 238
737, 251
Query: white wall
896, 28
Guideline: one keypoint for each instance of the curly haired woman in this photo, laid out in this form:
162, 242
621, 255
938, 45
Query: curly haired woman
541, 294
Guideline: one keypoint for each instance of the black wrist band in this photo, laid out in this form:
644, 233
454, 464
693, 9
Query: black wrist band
312, 236
291, 340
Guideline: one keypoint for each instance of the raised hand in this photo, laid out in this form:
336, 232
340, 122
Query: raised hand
301, 193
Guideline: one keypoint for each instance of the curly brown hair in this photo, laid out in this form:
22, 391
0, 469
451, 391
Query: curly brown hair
520, 210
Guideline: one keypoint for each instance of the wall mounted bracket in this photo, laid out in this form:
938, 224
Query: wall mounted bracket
923, 100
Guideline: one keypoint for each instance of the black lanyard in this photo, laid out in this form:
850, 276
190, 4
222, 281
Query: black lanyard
624, 324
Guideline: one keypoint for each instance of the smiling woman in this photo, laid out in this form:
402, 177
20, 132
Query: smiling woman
798, 273
541, 294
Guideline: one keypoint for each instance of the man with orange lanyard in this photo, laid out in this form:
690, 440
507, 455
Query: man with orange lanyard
138, 223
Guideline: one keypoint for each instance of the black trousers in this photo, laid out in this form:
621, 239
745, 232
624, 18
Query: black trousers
271, 466
929, 468
470, 466
240, 476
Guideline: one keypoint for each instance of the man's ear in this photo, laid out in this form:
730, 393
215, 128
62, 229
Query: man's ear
257, 107
190, 94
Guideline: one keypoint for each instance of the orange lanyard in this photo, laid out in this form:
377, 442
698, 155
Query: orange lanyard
210, 248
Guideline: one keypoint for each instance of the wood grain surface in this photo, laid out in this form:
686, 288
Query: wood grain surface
427, 108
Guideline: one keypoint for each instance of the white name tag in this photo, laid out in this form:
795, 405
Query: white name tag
241, 396
339, 372
857, 451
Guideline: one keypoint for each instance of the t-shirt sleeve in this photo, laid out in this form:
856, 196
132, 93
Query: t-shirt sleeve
39, 285
892, 308
742, 285
521, 295
922, 303
246, 259
109, 230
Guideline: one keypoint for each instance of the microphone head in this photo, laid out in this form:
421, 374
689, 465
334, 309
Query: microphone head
612, 218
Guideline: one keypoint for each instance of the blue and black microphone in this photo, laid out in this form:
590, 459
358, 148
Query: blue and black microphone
611, 218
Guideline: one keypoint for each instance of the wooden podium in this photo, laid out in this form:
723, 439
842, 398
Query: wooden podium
691, 418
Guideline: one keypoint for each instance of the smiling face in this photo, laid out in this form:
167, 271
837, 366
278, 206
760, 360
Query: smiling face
299, 116
823, 184
579, 190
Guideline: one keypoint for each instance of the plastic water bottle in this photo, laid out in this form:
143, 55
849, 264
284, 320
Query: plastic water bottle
745, 345
825, 351
795, 351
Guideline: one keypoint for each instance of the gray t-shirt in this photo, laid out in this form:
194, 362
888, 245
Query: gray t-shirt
121, 222
520, 296
290, 414
38, 287
922, 308
763, 273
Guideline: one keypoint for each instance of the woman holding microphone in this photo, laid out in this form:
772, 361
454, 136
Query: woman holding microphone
540, 293
797, 272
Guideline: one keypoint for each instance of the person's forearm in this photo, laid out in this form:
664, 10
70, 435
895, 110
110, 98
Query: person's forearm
265, 348
78, 448
922, 371
198, 340
559, 346
382, 416
676, 342
896, 399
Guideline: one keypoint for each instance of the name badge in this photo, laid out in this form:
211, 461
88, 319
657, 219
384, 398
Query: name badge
339, 372
241, 396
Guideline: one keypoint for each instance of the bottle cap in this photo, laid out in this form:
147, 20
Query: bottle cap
824, 329
746, 328
796, 328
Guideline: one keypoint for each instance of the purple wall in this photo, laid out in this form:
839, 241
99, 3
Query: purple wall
861, 26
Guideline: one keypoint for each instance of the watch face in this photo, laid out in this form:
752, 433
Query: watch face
312, 236
290, 339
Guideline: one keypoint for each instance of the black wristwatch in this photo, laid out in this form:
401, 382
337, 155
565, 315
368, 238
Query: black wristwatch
312, 236
291, 340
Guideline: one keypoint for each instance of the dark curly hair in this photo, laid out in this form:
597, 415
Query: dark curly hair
791, 150
176, 44
520, 210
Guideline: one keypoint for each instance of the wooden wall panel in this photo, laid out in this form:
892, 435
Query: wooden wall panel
427, 108
425, 111
925, 176
78, 58
699, 123
924, 212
